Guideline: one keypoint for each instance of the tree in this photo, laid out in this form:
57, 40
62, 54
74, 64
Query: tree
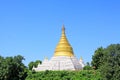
107, 60
97, 58
110, 70
35, 64
30, 65
12, 68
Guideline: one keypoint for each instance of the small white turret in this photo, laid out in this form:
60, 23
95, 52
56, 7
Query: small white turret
81, 62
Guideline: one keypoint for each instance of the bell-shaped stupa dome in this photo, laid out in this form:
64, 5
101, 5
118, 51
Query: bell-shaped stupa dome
63, 48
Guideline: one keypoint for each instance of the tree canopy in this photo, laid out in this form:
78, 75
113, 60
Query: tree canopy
110, 69
97, 58
12, 68
107, 60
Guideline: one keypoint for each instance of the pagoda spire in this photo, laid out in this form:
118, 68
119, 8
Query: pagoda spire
63, 48
63, 28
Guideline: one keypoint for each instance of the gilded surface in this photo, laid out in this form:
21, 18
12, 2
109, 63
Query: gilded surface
63, 48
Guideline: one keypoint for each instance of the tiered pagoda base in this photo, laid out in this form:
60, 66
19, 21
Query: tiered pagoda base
60, 63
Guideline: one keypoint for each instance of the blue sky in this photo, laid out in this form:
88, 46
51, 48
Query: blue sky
33, 28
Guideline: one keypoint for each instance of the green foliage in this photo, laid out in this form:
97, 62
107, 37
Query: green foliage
97, 58
64, 75
31, 64
12, 68
88, 67
107, 60
110, 70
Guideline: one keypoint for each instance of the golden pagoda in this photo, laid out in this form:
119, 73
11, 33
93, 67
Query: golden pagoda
63, 48
63, 58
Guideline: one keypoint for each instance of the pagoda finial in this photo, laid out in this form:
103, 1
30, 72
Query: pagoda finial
63, 28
